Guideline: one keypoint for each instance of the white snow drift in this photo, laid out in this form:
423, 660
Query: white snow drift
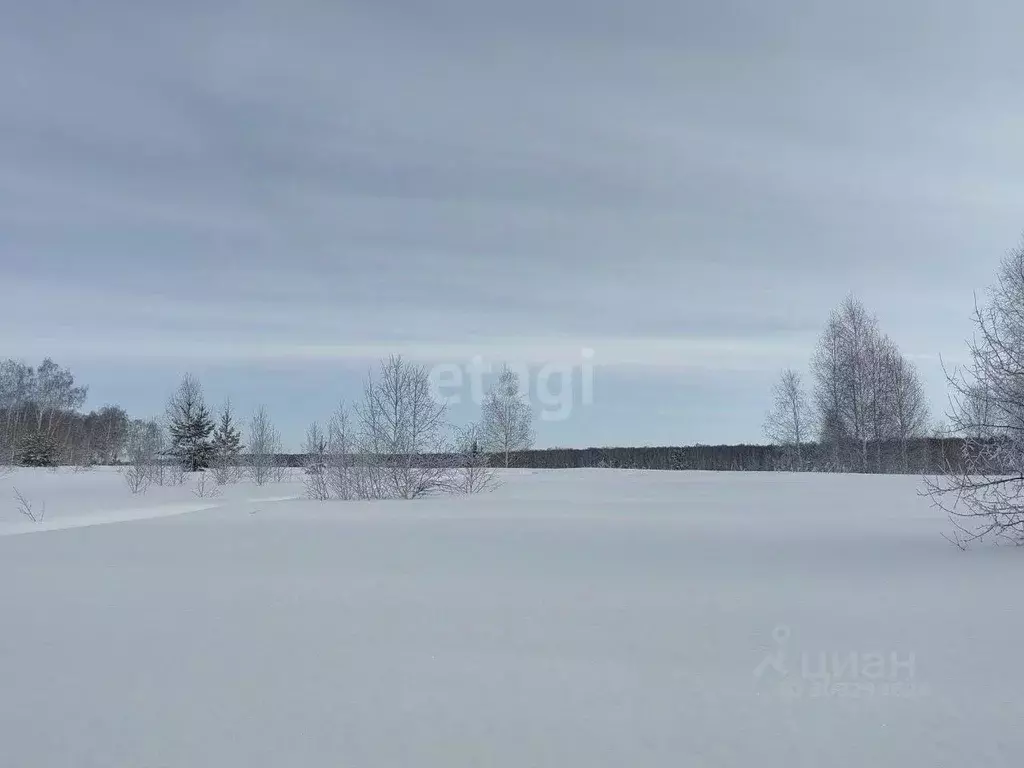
571, 618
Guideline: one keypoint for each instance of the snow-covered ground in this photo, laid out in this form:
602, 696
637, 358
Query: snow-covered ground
576, 618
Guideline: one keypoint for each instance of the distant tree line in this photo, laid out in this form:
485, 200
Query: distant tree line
922, 455
40, 425
386, 445
865, 413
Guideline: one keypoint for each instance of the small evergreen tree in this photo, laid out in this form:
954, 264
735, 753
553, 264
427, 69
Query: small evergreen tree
39, 450
227, 440
190, 426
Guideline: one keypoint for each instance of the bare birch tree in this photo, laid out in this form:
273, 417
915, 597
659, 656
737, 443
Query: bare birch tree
402, 431
472, 470
15, 392
983, 492
263, 446
506, 418
907, 411
345, 477
787, 424
861, 374
828, 367
866, 393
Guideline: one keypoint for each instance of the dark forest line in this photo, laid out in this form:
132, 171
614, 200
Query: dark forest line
932, 455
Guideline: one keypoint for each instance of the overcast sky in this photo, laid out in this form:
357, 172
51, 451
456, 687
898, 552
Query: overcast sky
270, 195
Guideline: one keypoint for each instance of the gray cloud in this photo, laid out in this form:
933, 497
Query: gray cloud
329, 176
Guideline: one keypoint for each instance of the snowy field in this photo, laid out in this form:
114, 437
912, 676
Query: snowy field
571, 618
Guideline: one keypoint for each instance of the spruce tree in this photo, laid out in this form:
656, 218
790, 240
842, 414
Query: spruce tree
227, 439
190, 426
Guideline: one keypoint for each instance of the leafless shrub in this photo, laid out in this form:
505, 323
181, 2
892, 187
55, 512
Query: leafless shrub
142, 446
176, 473
28, 509
316, 467
223, 472
156, 451
137, 477
346, 475
206, 487
81, 456
158, 473
471, 470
